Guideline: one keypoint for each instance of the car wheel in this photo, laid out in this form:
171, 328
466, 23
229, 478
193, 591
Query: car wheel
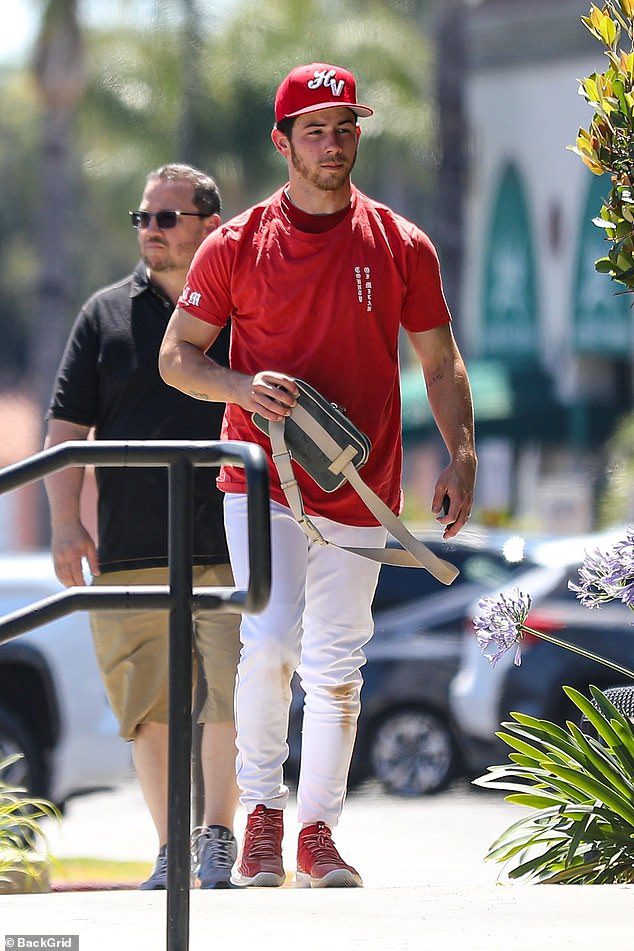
412, 752
15, 737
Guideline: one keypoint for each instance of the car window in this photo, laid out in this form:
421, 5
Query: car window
487, 569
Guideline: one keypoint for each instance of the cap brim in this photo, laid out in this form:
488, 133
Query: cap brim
359, 110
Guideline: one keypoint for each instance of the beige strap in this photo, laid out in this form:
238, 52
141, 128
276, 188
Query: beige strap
414, 553
288, 482
339, 464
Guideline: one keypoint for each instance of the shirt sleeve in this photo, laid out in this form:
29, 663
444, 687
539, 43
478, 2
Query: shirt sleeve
424, 306
207, 290
75, 396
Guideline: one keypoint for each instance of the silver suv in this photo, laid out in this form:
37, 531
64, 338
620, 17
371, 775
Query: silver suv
53, 708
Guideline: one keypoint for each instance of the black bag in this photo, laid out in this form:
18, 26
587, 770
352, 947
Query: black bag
306, 452
321, 439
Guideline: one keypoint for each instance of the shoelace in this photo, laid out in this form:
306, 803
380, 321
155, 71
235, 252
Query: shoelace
265, 830
217, 851
320, 845
197, 835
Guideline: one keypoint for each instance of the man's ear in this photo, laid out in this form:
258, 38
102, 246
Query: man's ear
211, 223
280, 141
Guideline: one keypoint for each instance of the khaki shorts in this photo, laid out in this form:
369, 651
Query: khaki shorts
133, 646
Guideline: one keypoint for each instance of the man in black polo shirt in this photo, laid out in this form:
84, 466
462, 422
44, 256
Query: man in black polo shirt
108, 380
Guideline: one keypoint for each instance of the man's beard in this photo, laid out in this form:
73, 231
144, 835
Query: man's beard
331, 183
158, 259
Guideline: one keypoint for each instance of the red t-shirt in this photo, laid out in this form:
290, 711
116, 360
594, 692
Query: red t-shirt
326, 308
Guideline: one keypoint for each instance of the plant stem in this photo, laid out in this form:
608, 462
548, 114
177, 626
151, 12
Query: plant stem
579, 650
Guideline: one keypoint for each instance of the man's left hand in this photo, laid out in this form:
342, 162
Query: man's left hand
453, 497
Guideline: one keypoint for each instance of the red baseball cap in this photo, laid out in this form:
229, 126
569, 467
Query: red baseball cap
317, 86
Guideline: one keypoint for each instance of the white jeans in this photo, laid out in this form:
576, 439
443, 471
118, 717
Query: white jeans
317, 623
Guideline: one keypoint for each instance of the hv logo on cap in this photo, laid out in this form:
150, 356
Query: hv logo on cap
327, 77
317, 86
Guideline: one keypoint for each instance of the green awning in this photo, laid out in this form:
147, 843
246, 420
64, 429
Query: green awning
602, 312
512, 400
490, 384
509, 288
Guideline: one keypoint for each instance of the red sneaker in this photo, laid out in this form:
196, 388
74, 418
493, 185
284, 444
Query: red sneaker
319, 864
260, 861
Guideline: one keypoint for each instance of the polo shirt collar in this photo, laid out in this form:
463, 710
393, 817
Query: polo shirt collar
140, 281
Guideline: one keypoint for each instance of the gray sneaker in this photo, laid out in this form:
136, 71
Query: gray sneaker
214, 850
158, 878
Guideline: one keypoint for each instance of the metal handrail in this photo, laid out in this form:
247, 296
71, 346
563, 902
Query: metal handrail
179, 597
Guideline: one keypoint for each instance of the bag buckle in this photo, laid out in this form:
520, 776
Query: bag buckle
312, 531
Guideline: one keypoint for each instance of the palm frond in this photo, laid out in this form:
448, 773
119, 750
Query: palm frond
20, 828
581, 791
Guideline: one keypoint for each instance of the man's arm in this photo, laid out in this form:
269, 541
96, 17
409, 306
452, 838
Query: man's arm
449, 395
184, 365
70, 541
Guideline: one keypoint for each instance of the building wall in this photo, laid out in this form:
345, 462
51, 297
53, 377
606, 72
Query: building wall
510, 120
523, 109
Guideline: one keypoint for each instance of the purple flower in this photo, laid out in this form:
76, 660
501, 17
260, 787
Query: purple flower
622, 576
608, 576
499, 624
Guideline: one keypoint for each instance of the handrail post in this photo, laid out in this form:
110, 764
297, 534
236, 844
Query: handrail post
180, 706
180, 456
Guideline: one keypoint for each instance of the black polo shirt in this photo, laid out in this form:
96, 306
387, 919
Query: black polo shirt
108, 378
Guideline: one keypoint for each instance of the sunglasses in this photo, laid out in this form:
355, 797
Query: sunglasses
164, 219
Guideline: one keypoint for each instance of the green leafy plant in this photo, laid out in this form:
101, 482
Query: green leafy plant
581, 789
20, 828
607, 145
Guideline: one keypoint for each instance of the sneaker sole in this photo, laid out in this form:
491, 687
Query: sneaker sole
162, 886
338, 878
211, 885
261, 880
207, 883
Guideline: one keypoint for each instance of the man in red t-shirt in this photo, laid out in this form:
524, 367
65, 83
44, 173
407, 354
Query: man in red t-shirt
317, 280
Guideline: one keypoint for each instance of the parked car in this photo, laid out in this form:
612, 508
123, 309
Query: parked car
53, 708
482, 696
405, 736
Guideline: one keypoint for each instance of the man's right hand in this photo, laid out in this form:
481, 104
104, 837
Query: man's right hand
69, 545
269, 393
70, 542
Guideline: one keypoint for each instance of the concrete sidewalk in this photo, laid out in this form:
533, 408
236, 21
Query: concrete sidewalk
427, 887
472, 918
